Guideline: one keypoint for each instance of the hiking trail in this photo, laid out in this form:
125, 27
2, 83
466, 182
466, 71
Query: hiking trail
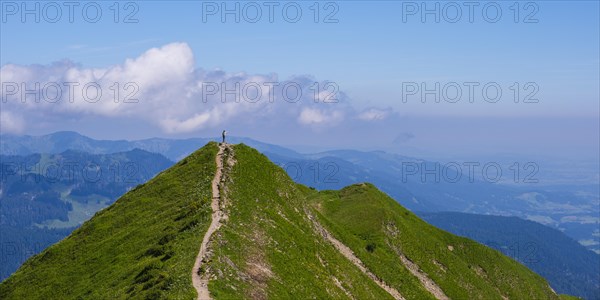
200, 281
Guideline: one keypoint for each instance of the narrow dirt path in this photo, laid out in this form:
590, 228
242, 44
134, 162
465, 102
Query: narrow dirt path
414, 269
349, 254
200, 281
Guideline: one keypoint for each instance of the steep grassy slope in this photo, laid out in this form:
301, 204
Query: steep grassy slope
268, 248
379, 231
143, 246
277, 240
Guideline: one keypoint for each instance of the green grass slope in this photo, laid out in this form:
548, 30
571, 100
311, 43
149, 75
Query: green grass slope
144, 246
268, 248
377, 228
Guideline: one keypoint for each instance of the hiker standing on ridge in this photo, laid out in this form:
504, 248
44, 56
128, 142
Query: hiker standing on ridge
224, 133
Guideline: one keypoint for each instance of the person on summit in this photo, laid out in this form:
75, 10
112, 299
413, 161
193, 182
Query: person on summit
223, 134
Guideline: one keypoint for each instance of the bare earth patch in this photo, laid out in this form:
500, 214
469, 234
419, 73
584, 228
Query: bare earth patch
257, 267
414, 269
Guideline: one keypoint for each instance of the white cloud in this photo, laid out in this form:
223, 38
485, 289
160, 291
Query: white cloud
187, 125
374, 114
312, 116
589, 242
171, 94
580, 219
541, 219
11, 123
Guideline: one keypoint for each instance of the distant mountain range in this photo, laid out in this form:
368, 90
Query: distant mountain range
43, 197
173, 149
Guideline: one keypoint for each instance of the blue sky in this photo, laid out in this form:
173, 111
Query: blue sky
369, 53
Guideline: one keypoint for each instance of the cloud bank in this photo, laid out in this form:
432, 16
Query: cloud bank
163, 87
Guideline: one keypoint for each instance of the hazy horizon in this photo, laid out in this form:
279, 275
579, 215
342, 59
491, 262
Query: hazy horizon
366, 77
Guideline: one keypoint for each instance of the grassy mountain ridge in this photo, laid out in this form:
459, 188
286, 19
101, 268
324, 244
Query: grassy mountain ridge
268, 247
142, 246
